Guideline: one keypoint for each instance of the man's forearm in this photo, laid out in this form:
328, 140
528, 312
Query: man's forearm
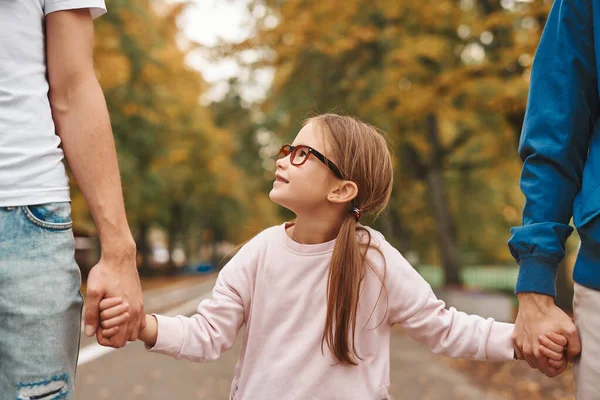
537, 301
83, 124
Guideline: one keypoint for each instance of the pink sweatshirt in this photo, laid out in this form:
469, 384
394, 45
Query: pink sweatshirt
277, 288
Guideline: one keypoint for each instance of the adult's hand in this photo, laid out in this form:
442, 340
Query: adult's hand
537, 316
115, 276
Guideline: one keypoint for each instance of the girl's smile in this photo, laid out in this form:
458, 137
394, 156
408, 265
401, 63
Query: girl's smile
280, 179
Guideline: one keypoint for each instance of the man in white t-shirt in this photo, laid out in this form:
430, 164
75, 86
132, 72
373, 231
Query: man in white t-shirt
50, 103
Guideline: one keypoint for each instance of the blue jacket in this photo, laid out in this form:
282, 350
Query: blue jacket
560, 149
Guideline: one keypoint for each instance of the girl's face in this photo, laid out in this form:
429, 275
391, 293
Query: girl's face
303, 188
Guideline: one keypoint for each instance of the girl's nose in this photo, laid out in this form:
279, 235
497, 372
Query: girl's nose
282, 162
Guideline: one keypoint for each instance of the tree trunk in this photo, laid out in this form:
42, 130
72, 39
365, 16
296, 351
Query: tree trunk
395, 232
191, 239
143, 247
173, 231
445, 225
564, 288
218, 237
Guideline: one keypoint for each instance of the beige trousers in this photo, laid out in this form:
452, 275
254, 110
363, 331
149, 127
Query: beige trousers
586, 309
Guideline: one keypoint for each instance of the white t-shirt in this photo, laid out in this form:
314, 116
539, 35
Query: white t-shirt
31, 162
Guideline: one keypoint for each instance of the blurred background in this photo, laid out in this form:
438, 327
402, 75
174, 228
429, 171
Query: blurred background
203, 93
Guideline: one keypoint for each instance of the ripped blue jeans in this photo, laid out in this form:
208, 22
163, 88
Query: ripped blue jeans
40, 303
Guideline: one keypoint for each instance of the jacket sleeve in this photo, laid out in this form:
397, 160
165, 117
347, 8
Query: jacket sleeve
560, 117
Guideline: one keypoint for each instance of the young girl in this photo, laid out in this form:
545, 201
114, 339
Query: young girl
319, 296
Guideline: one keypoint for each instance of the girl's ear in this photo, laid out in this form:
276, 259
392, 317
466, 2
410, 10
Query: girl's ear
344, 192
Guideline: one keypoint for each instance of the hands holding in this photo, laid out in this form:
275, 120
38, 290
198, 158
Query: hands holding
114, 313
545, 336
115, 276
553, 348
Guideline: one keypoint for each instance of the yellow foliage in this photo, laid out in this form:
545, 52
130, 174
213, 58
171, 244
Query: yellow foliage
396, 64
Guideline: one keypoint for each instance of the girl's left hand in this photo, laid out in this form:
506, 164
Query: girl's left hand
552, 345
113, 312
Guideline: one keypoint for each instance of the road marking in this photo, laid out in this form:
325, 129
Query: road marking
94, 351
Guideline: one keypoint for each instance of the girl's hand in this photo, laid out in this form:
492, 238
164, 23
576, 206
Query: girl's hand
553, 345
113, 312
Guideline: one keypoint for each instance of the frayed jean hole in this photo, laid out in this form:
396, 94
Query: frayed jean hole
54, 388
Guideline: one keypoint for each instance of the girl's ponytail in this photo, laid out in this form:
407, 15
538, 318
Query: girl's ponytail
346, 273
361, 153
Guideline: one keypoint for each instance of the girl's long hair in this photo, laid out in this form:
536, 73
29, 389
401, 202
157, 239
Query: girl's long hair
362, 155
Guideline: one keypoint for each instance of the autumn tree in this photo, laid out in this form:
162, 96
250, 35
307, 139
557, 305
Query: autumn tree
179, 169
446, 79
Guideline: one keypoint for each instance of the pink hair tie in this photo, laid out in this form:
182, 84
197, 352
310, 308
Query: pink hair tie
355, 212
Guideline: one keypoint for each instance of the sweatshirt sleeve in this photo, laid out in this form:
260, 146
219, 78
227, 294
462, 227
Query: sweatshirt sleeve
214, 328
414, 306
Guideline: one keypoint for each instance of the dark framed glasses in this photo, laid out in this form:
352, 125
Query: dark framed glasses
299, 154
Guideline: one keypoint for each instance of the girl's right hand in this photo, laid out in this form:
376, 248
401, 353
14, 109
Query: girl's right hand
113, 312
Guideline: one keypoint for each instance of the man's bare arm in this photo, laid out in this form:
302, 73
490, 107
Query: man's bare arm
82, 121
